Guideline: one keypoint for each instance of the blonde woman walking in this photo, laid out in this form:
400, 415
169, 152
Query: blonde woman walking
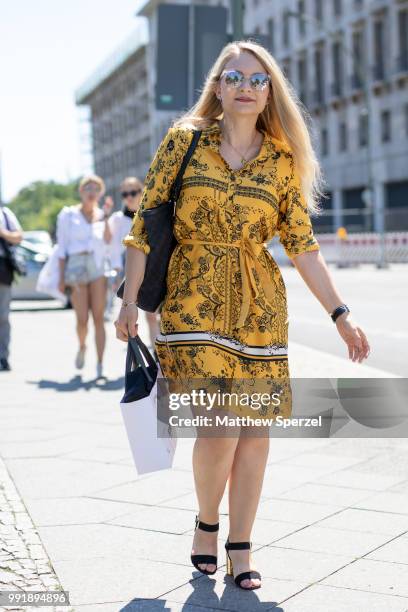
83, 236
253, 174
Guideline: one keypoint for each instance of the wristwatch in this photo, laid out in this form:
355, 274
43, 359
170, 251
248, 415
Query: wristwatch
339, 311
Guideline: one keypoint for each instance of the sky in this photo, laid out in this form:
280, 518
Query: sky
47, 49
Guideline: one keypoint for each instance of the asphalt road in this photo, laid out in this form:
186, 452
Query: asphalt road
378, 300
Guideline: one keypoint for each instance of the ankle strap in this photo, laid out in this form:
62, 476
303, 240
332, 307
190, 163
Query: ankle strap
238, 545
206, 526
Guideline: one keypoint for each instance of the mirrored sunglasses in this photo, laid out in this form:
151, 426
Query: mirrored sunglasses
234, 79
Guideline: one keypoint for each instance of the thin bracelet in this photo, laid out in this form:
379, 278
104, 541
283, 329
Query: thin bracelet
128, 303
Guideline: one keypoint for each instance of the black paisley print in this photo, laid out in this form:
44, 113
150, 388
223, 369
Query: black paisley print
225, 312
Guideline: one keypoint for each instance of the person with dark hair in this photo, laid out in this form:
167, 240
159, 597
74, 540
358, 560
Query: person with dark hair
121, 221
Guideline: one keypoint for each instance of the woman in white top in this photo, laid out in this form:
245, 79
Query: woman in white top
83, 236
120, 223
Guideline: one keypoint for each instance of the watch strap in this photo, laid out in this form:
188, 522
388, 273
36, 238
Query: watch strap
339, 311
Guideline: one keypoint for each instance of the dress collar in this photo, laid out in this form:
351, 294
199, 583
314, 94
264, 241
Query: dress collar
213, 132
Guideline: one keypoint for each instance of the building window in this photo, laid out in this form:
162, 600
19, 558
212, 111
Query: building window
385, 126
363, 130
302, 78
338, 76
342, 136
406, 119
324, 142
379, 49
286, 68
319, 10
271, 35
302, 20
337, 8
358, 59
286, 27
403, 40
319, 96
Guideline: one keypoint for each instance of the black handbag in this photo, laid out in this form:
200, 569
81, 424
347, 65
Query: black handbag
139, 378
10, 264
6, 271
159, 222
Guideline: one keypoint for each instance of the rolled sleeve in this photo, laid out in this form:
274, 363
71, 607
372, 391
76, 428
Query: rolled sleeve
159, 179
137, 236
294, 224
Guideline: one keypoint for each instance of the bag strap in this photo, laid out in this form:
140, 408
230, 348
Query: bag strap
134, 355
6, 245
6, 219
176, 187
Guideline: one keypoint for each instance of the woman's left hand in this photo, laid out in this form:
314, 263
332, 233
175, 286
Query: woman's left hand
354, 337
107, 206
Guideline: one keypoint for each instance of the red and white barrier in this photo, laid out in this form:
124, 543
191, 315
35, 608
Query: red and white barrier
355, 249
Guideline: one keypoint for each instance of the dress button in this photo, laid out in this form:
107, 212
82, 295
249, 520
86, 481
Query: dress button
233, 178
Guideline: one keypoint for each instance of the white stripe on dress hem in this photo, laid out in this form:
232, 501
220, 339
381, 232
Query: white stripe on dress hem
273, 349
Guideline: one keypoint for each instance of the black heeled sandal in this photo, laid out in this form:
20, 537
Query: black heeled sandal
196, 559
243, 575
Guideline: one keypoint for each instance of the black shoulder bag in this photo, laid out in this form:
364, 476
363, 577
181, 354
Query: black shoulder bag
11, 265
159, 222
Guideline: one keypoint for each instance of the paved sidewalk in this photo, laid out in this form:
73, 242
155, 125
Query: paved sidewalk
332, 527
24, 564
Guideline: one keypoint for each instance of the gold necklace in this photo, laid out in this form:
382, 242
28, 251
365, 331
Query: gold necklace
243, 158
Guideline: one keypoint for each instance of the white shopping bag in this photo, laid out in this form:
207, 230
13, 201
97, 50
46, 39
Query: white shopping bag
48, 278
151, 441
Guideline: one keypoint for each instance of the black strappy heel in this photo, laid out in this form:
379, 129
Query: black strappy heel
196, 559
243, 575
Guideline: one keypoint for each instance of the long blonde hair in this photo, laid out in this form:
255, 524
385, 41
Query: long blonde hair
284, 117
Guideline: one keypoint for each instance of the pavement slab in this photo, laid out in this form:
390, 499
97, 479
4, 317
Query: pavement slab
331, 532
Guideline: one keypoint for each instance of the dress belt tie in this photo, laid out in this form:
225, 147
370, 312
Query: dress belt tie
248, 257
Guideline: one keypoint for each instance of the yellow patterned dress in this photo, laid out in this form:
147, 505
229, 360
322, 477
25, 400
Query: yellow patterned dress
225, 312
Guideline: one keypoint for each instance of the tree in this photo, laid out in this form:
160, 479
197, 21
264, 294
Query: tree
38, 204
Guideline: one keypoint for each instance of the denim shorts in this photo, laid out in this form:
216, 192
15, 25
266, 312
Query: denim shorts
82, 268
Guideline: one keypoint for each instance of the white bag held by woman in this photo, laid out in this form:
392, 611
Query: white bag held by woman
151, 442
48, 278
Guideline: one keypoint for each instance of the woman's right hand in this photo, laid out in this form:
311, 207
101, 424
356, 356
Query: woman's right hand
61, 286
126, 323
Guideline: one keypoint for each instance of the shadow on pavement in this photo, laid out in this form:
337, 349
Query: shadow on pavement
204, 597
76, 383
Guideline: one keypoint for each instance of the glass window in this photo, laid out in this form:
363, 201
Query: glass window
342, 136
363, 130
324, 141
385, 126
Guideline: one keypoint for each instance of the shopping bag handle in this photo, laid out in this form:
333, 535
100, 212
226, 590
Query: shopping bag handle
134, 355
